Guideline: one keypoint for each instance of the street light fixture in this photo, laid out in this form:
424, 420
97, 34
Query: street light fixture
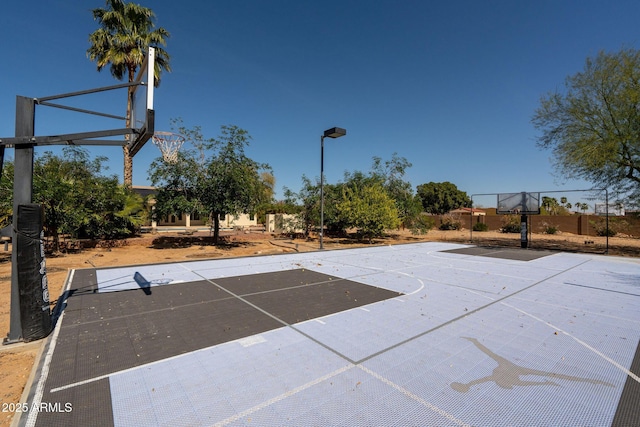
329, 133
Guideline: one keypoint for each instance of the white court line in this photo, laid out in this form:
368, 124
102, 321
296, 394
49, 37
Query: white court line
37, 397
280, 397
330, 375
579, 341
413, 277
417, 398
567, 307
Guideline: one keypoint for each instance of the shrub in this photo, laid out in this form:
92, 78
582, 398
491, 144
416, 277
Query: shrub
421, 224
450, 222
616, 225
480, 226
549, 228
510, 224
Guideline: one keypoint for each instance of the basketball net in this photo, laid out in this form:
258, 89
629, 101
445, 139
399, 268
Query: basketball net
169, 144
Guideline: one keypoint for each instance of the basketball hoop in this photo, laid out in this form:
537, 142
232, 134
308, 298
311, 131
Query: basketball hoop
169, 144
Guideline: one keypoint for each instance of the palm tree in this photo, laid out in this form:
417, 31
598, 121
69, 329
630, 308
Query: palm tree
126, 31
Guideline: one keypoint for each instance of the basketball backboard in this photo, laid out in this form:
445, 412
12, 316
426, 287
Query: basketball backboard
142, 112
139, 125
519, 203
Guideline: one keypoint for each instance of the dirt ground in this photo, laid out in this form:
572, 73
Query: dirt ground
17, 360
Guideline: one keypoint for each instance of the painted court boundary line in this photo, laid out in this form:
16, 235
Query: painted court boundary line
37, 398
330, 375
579, 341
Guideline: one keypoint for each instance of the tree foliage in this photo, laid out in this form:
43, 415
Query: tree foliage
214, 179
232, 183
78, 199
177, 182
6, 194
126, 31
391, 174
551, 206
441, 197
308, 198
385, 175
369, 209
593, 127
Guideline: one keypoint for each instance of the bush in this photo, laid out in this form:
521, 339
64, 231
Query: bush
616, 225
549, 228
510, 224
450, 222
480, 226
421, 224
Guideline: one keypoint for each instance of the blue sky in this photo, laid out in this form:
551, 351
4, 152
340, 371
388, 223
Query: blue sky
451, 86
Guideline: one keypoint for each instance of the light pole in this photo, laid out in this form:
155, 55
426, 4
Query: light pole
331, 133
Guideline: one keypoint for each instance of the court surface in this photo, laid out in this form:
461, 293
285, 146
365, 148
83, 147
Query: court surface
429, 334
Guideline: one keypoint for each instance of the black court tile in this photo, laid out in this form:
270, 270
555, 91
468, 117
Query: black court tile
319, 300
105, 333
88, 405
627, 413
503, 253
299, 295
133, 334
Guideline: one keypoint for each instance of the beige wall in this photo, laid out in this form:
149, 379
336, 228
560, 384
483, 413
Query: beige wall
282, 223
575, 224
228, 221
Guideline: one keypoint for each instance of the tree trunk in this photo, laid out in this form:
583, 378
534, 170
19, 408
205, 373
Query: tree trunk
128, 160
216, 228
128, 167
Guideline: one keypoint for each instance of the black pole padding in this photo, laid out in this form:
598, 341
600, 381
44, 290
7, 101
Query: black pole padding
524, 237
35, 314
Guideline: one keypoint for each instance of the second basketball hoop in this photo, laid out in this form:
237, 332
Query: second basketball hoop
169, 144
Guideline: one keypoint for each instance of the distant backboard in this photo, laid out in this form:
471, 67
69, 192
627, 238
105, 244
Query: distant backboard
142, 112
519, 203
616, 209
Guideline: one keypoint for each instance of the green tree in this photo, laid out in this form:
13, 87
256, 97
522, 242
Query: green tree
126, 31
111, 210
391, 173
387, 174
232, 183
582, 206
54, 186
593, 126
177, 182
6, 194
441, 197
369, 209
214, 179
550, 206
308, 199
78, 199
